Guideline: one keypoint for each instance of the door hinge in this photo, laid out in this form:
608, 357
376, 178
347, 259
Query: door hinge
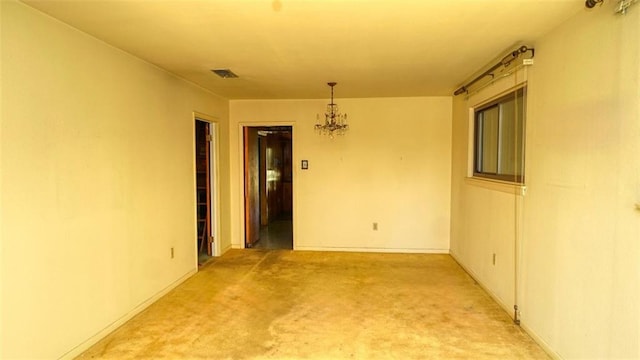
209, 137
211, 239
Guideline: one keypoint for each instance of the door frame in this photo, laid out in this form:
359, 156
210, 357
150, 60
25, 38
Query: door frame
214, 173
294, 175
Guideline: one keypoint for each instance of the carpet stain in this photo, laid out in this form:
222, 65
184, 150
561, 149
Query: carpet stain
282, 304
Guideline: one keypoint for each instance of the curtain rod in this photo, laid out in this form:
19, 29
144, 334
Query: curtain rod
504, 62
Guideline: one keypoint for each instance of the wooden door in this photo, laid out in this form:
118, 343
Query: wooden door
251, 187
264, 208
287, 173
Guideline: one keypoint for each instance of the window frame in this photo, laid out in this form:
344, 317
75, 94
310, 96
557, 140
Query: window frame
512, 94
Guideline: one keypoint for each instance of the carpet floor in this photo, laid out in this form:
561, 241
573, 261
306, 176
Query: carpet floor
280, 304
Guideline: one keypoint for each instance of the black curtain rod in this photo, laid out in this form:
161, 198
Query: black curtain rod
504, 62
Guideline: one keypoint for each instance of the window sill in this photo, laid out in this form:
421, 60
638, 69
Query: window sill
497, 185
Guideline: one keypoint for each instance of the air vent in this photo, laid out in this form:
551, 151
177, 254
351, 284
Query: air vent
225, 73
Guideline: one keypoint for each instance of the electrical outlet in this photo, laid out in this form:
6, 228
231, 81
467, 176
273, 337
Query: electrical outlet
494, 259
172, 253
375, 226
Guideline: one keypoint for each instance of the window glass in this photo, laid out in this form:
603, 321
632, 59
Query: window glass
499, 138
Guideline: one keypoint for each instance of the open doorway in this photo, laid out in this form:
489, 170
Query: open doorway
205, 189
268, 185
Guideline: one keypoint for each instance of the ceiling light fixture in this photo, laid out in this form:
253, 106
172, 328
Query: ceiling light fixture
334, 122
622, 7
591, 3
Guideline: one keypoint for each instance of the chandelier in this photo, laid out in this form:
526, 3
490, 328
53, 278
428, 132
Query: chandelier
334, 122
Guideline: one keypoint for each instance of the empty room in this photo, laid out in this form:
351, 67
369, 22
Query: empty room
289, 179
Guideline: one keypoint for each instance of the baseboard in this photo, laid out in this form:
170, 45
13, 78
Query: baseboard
506, 308
509, 311
225, 249
554, 355
82, 347
367, 249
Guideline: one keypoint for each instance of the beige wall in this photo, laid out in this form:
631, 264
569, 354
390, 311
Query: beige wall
579, 271
392, 167
97, 183
484, 213
581, 266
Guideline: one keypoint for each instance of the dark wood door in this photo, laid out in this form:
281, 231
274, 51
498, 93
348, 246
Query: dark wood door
251, 187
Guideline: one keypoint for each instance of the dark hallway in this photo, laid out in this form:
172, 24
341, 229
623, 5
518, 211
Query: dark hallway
268, 187
277, 235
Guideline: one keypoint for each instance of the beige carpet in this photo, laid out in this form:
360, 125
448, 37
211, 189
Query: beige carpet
279, 304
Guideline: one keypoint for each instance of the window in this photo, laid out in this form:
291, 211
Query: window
499, 138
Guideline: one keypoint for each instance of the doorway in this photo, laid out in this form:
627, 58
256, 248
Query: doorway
268, 187
206, 194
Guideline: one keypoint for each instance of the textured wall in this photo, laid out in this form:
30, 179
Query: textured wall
392, 167
97, 182
578, 279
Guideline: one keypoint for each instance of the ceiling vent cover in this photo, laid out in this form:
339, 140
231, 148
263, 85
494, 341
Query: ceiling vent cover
225, 73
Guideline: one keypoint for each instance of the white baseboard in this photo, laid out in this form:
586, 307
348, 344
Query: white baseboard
554, 355
378, 250
225, 249
82, 347
509, 311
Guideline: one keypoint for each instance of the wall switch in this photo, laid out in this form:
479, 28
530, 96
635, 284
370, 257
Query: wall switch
375, 226
304, 164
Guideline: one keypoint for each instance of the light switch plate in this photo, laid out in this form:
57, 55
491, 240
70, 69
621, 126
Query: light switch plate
304, 164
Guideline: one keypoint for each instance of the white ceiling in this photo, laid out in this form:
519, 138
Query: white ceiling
290, 49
